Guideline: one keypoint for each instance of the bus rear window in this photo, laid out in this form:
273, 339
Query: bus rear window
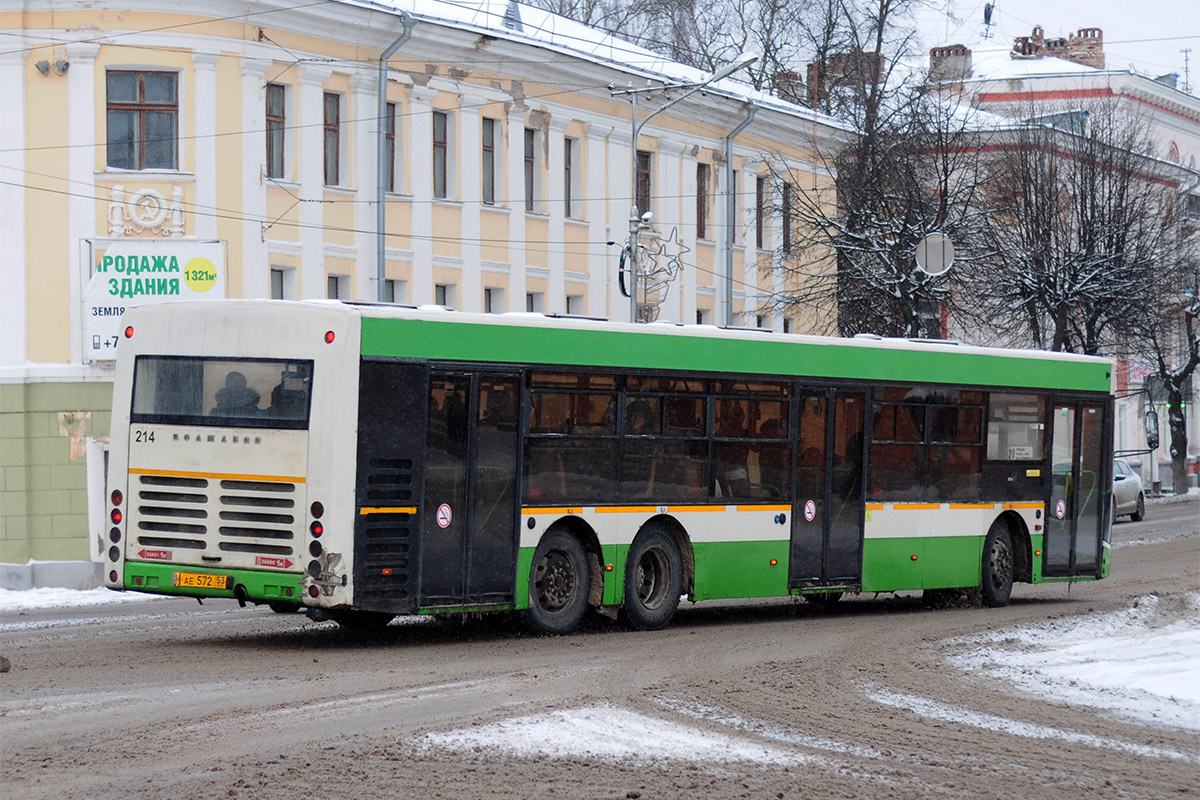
240, 392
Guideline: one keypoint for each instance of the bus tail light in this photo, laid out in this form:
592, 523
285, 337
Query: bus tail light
117, 497
329, 337
316, 529
128, 331
116, 516
317, 509
313, 591
112, 576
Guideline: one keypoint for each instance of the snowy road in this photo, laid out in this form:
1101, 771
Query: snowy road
871, 698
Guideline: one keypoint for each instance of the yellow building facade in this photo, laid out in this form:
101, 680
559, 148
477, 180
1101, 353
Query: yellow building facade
249, 132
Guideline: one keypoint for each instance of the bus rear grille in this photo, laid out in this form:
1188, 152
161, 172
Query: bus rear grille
383, 575
225, 517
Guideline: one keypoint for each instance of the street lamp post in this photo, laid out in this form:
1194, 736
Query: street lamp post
635, 216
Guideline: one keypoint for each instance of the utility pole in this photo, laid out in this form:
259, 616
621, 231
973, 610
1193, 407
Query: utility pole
635, 216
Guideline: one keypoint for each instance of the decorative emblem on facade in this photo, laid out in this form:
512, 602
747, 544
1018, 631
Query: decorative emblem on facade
145, 210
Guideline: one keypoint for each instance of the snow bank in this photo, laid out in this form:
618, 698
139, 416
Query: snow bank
1142, 663
604, 731
15, 600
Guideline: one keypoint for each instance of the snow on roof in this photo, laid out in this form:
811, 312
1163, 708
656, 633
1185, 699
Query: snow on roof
544, 29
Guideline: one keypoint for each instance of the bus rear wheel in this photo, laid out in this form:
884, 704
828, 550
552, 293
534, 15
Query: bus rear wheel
559, 581
997, 570
653, 579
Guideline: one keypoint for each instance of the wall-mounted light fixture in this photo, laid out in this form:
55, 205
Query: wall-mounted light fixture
60, 66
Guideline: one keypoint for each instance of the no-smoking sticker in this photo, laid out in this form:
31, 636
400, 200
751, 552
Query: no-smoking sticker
1060, 509
810, 510
444, 515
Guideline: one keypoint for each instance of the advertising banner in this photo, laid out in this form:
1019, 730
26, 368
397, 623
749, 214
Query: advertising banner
138, 272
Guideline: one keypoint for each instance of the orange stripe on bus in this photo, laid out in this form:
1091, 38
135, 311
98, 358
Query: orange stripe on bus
171, 473
573, 510
874, 506
388, 510
916, 506
972, 505
764, 508
626, 509
695, 508
1023, 505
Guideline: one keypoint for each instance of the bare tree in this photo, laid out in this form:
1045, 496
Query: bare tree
906, 168
1078, 217
1170, 336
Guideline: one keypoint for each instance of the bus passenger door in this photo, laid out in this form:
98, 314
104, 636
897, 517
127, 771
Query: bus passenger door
827, 518
469, 513
1078, 507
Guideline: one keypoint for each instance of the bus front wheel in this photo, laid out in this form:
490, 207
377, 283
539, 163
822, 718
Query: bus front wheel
653, 579
997, 571
558, 584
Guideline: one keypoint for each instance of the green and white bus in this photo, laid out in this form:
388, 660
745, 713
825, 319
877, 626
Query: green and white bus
360, 462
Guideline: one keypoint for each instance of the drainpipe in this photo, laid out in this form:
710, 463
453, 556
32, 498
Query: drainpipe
381, 155
731, 211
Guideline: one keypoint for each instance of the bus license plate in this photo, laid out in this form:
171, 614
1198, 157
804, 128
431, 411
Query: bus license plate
197, 580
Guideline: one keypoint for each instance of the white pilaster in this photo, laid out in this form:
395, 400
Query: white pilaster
13, 254
81, 121
421, 154
620, 159
675, 209
556, 302
364, 157
203, 219
311, 163
470, 160
515, 175
601, 257
256, 269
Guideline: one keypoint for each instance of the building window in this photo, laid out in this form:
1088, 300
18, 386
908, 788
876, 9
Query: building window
760, 321
389, 143
143, 115
444, 294
642, 191
703, 173
787, 325
530, 168
703, 316
333, 138
535, 301
760, 210
276, 127
575, 304
493, 300
489, 161
786, 218
283, 283
736, 200
395, 291
440, 131
570, 153
338, 287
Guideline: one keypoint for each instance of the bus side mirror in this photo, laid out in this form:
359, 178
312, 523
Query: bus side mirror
1152, 429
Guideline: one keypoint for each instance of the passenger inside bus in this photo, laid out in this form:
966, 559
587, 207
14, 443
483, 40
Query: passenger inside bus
236, 399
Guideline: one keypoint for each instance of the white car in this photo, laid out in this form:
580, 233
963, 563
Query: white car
1128, 497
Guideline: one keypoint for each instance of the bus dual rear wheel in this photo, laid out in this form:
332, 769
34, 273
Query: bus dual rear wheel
653, 579
559, 581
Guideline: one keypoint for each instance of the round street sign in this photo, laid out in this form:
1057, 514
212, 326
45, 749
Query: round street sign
935, 254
